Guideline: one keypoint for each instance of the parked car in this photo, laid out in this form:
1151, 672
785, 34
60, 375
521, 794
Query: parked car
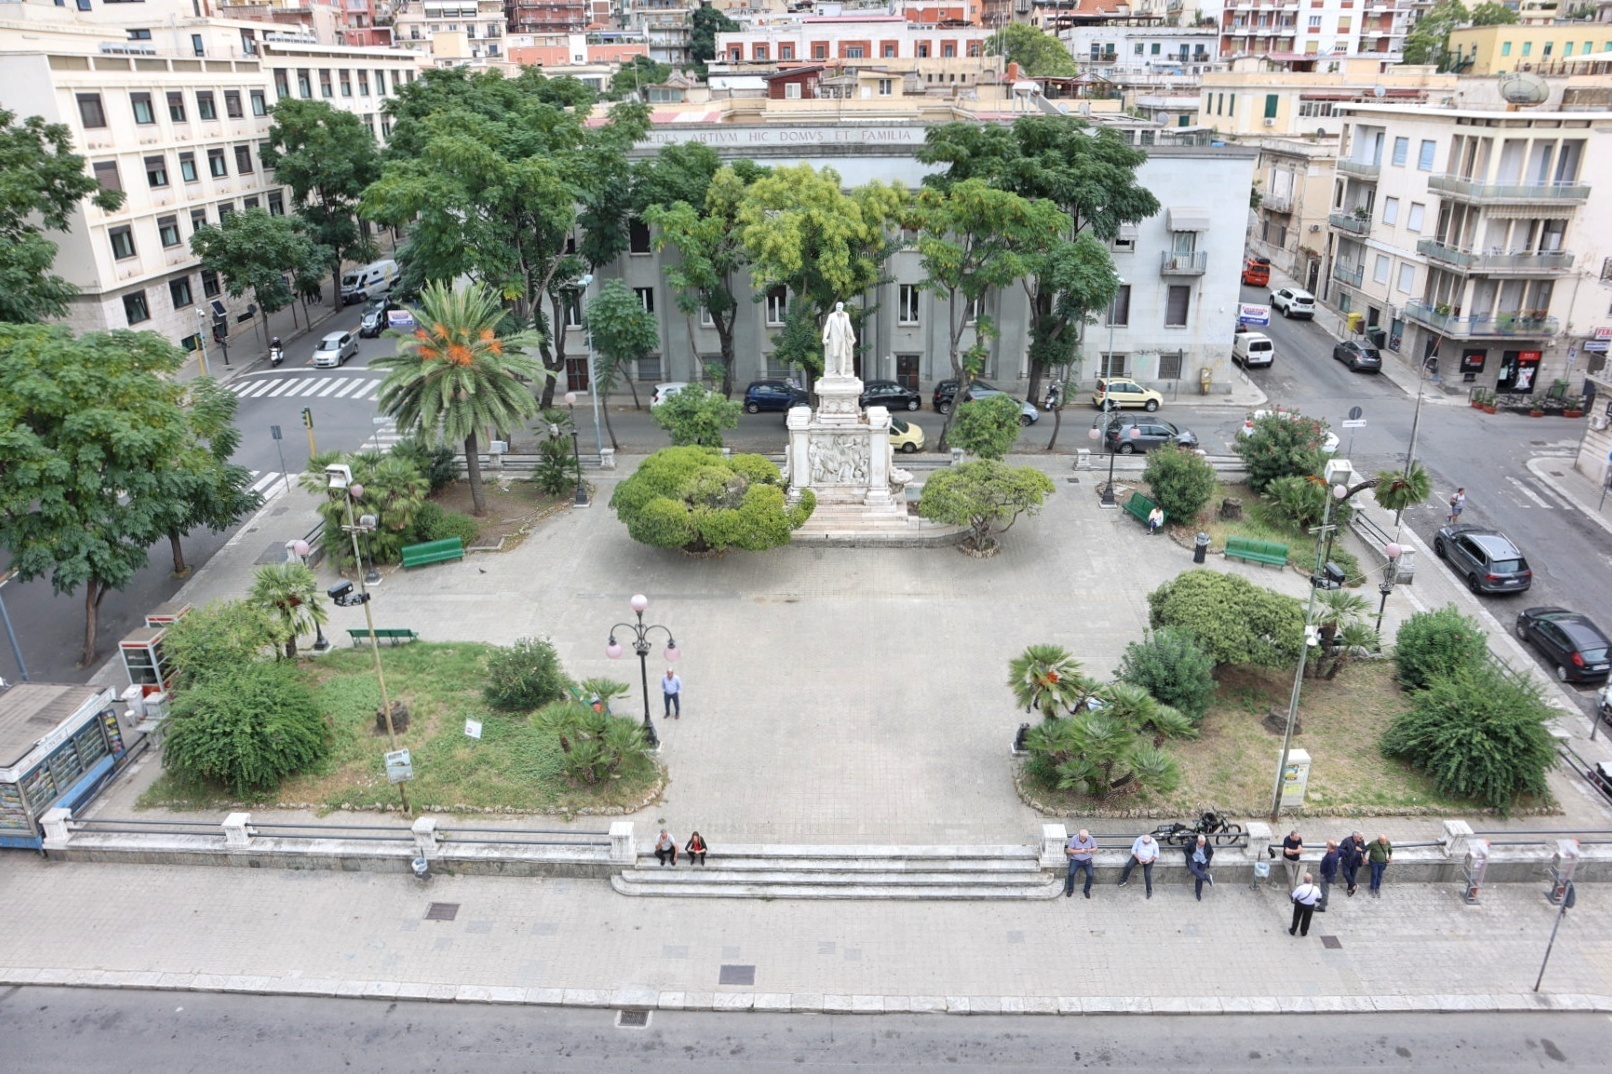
665, 390
335, 349
1487, 559
375, 319
1362, 357
1251, 349
1130, 435
1256, 271
1329, 439
1293, 302
892, 396
1578, 648
946, 391
1124, 393
1028, 414
772, 395
905, 436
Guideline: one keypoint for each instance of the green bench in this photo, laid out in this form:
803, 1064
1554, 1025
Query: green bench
418, 555
1139, 507
1267, 552
395, 635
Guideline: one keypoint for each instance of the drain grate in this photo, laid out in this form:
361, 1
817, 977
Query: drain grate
632, 1019
737, 975
442, 911
1332, 943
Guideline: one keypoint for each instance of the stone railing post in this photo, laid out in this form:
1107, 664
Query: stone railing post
1259, 837
57, 833
607, 459
1053, 838
236, 834
623, 851
425, 836
1457, 837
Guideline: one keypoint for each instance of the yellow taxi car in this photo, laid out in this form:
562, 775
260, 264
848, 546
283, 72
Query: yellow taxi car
1124, 393
905, 437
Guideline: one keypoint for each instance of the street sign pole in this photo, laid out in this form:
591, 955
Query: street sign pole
274, 431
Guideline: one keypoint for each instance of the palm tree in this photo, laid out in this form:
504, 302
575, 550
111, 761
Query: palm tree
1045, 679
1134, 706
1397, 491
291, 592
454, 376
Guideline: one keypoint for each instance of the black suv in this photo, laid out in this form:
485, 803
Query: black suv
891, 396
946, 392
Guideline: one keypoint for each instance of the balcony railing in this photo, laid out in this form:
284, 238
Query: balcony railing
1524, 192
1549, 261
1349, 222
1448, 322
1353, 275
1276, 203
1193, 264
1359, 169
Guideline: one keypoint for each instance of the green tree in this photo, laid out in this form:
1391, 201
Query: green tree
205, 488
1170, 664
290, 591
219, 638
246, 730
1075, 278
988, 427
696, 417
623, 332
455, 376
87, 428
1231, 618
1478, 733
271, 256
1428, 42
1038, 53
1493, 14
394, 493
1048, 680
1181, 482
1338, 615
705, 23
1282, 443
987, 496
1398, 491
524, 676
635, 74
694, 499
44, 183
1437, 644
327, 157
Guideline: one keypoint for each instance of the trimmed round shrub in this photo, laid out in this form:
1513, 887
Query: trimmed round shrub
693, 498
1231, 618
1435, 644
1182, 482
524, 676
247, 729
1172, 666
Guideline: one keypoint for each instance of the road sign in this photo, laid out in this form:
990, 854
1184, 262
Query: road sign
1355, 413
381, 419
1249, 313
1358, 423
398, 766
274, 431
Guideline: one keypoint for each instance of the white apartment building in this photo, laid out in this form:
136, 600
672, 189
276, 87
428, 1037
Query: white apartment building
452, 32
1317, 28
664, 23
1474, 235
175, 118
849, 38
1124, 51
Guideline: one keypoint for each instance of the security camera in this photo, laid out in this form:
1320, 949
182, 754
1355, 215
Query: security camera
339, 591
338, 475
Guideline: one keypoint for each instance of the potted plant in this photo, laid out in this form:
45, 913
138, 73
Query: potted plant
1491, 403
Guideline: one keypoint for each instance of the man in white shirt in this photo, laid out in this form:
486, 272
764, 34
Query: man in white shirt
1305, 896
1144, 852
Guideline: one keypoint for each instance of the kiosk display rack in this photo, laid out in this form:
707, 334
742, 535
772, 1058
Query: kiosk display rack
58, 744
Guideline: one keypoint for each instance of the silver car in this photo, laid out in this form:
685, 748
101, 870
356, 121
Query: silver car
335, 349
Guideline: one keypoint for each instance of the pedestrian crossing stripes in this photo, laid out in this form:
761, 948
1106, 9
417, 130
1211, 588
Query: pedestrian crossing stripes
268, 483
358, 388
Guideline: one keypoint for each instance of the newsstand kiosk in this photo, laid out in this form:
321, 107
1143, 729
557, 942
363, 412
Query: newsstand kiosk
58, 744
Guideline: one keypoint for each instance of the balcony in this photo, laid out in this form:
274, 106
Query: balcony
1547, 263
1448, 322
1276, 203
1193, 264
1353, 275
1349, 222
1507, 193
1359, 169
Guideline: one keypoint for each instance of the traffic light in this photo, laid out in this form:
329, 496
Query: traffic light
307, 418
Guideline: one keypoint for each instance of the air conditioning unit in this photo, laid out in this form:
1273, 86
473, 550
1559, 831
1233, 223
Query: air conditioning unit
1598, 422
1270, 121
1314, 228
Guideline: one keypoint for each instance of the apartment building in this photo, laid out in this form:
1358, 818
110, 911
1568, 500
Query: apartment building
664, 23
547, 16
1124, 51
1314, 28
855, 38
1551, 49
452, 32
1472, 235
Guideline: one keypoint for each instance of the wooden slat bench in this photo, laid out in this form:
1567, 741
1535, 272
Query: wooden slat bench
1267, 552
395, 635
418, 555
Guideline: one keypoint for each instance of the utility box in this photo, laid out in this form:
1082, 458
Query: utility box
1295, 777
1562, 865
1476, 865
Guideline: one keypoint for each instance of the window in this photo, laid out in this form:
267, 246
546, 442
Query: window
210, 288
135, 308
142, 108
232, 104
1155, 50
198, 220
206, 107
346, 79
179, 293
187, 166
122, 242
1390, 211
886, 87
637, 236
1527, 48
106, 173
325, 88
304, 86
139, 35
853, 52
224, 211
1401, 148
249, 204
786, 52
168, 230
215, 164
1170, 363
1424, 156
1413, 219
1505, 48
777, 305
90, 112
276, 203
1407, 278
1379, 270
971, 312
380, 81
819, 52
157, 171
249, 42
1112, 365
1315, 22
907, 304
1119, 312
243, 159
948, 50
791, 91
572, 305
282, 83
1271, 102
646, 298
1547, 48
176, 107
363, 83
1177, 304
197, 46
760, 52
260, 104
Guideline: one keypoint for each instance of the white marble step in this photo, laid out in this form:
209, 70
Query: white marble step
695, 874
1049, 890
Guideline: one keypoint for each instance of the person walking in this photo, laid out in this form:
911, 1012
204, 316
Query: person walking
1351, 857
1305, 896
671, 688
1292, 850
1199, 855
695, 849
1329, 874
1144, 852
1079, 850
666, 849
1378, 856
1457, 505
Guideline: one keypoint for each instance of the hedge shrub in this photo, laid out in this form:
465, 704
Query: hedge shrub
1435, 644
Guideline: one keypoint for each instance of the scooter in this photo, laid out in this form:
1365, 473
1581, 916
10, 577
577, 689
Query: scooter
276, 354
1052, 398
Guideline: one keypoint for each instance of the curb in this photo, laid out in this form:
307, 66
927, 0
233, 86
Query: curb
797, 1002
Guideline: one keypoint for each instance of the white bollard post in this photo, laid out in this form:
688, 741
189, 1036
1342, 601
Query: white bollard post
623, 851
57, 833
236, 836
425, 836
1053, 838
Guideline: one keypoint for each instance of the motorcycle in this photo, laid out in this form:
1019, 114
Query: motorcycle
1053, 396
276, 354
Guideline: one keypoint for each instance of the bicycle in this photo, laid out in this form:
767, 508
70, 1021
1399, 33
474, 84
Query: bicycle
1209, 823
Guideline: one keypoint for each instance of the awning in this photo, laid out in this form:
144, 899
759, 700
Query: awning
1188, 219
1127, 232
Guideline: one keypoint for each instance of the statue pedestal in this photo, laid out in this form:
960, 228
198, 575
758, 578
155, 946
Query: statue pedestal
843, 455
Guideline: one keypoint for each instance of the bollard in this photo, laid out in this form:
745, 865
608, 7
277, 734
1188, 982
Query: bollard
1200, 547
1020, 746
1053, 838
422, 869
622, 848
1083, 458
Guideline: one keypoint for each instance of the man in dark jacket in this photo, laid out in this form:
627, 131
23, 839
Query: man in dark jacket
1330, 861
1351, 857
1198, 855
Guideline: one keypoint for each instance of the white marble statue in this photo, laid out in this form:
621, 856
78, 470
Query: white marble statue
839, 343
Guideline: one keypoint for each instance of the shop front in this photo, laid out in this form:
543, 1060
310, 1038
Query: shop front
58, 745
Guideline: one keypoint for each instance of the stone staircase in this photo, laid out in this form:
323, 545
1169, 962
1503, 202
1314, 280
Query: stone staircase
890, 527
847, 872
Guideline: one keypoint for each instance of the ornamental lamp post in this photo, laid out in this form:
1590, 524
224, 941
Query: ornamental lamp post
581, 499
641, 646
300, 549
1390, 575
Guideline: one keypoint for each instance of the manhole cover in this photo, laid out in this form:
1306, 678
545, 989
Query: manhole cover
1332, 943
442, 911
737, 975
632, 1019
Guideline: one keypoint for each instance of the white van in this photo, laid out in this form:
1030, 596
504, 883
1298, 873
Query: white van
1251, 349
371, 281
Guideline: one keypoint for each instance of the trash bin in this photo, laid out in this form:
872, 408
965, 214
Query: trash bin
1206, 377
1378, 337
1200, 547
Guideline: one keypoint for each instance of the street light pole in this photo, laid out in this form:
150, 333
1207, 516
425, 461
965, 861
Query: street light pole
1108, 399
1416, 422
593, 385
1386, 586
641, 646
581, 499
11, 634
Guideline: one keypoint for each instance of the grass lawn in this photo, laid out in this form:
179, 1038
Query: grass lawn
1300, 544
1231, 768
511, 767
